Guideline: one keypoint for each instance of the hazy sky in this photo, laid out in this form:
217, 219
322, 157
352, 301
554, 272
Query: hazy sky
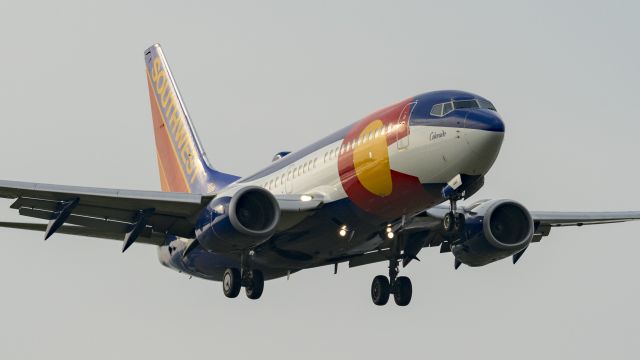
261, 77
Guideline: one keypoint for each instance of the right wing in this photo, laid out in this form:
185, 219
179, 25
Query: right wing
105, 213
112, 213
154, 238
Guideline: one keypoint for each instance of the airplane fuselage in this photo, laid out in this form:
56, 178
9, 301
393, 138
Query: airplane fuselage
393, 163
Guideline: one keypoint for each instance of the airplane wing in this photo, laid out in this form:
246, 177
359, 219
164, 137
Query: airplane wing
154, 238
104, 212
545, 220
115, 214
430, 223
558, 218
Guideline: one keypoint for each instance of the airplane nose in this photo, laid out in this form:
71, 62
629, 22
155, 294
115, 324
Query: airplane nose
483, 134
487, 120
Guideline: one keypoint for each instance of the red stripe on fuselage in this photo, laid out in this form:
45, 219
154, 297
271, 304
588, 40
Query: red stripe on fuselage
407, 193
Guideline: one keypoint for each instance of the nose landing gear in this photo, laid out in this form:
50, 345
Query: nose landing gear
382, 287
453, 221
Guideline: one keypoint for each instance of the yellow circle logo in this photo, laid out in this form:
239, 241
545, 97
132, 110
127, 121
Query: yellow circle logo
371, 160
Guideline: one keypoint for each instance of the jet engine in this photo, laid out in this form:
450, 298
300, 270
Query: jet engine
239, 220
493, 231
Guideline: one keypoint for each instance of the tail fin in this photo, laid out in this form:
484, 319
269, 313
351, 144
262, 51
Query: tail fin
182, 161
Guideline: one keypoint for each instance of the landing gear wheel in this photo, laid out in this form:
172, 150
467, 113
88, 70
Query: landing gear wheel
256, 285
402, 291
380, 290
459, 223
453, 222
231, 282
449, 221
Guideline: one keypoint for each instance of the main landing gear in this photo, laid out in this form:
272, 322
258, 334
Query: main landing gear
382, 287
234, 279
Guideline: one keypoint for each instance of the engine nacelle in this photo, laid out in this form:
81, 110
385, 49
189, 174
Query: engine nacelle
495, 230
238, 220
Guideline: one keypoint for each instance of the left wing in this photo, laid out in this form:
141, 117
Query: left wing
430, 222
547, 219
558, 218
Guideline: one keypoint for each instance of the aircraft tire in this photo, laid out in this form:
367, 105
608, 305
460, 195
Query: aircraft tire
403, 291
256, 287
448, 222
231, 283
380, 290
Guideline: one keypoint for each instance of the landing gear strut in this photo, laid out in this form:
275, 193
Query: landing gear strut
382, 287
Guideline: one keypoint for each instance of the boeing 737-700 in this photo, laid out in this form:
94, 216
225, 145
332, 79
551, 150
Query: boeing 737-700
378, 190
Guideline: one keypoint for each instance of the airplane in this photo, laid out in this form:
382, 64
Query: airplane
378, 190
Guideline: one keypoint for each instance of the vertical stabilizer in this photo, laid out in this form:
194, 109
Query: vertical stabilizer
182, 161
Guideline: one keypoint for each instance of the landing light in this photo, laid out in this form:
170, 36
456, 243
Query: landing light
343, 231
390, 234
306, 198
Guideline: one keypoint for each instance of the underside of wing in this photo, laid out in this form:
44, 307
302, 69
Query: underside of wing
154, 239
105, 213
426, 229
558, 218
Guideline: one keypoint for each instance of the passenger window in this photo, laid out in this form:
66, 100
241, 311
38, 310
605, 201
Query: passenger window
353, 143
315, 163
377, 133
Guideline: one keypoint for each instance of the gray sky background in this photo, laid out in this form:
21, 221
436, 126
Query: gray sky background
260, 77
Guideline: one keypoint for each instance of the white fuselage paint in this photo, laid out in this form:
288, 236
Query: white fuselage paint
433, 155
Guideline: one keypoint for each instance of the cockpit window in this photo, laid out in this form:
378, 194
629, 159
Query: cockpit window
443, 109
448, 107
485, 104
436, 110
465, 104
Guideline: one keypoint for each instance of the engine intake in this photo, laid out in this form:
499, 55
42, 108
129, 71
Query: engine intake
494, 230
254, 211
240, 220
